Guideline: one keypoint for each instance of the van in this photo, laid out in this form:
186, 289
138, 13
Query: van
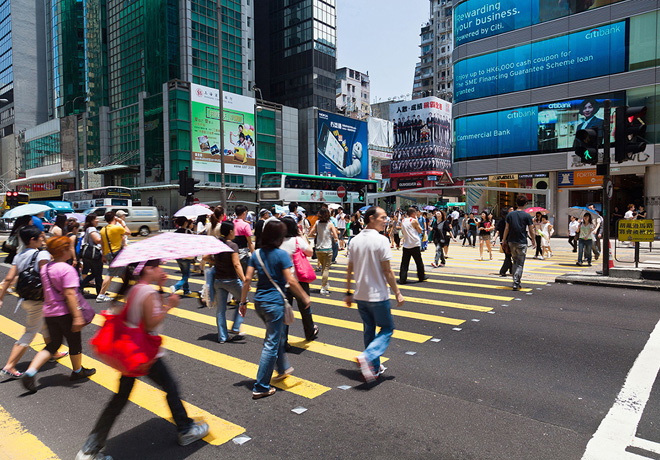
140, 220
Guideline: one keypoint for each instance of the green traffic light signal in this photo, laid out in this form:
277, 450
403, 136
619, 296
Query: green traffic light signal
586, 144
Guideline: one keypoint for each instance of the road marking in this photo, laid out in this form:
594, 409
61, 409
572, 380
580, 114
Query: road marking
143, 394
17, 443
618, 429
247, 369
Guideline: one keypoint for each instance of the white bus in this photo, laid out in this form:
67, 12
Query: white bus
97, 197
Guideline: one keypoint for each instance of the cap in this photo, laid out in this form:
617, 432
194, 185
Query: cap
120, 213
263, 212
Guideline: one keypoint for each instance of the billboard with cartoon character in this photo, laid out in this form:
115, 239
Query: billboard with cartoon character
342, 146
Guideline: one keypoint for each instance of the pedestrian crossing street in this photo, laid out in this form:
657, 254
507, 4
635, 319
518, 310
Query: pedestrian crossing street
464, 291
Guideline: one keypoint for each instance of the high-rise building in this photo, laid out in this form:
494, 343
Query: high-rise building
296, 52
353, 93
433, 74
524, 87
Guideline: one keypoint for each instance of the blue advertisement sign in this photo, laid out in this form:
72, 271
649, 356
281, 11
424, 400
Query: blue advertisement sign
544, 128
577, 56
342, 146
477, 19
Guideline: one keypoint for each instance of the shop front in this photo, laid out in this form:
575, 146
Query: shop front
481, 197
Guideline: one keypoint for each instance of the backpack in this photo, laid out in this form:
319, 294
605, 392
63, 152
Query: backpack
29, 285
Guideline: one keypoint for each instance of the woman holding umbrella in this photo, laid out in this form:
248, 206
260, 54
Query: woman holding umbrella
585, 241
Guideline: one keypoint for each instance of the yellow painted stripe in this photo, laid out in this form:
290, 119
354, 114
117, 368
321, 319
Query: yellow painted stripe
143, 394
407, 287
472, 277
17, 443
238, 366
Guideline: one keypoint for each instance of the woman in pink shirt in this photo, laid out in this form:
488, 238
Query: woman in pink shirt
62, 312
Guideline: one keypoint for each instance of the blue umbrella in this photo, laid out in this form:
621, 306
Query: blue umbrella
579, 211
29, 209
364, 208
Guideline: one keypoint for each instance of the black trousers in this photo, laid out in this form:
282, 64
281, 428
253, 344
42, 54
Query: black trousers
539, 248
416, 254
160, 374
59, 328
572, 240
305, 313
96, 273
507, 266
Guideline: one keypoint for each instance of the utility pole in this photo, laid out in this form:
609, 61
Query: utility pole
607, 188
223, 186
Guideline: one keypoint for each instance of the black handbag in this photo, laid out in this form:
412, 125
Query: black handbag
29, 286
89, 251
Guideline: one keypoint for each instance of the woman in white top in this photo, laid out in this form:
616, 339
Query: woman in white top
546, 233
291, 242
145, 305
325, 234
586, 232
573, 227
94, 266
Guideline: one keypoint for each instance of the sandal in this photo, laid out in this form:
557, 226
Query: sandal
14, 375
315, 334
58, 355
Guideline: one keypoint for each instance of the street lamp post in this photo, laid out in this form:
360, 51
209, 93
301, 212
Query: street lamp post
223, 187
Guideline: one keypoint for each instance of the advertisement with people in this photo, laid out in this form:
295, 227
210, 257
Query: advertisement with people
544, 128
422, 137
238, 127
342, 146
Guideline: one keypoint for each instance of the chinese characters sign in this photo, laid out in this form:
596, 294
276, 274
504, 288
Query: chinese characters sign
636, 230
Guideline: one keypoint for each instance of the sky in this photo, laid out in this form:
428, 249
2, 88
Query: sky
381, 37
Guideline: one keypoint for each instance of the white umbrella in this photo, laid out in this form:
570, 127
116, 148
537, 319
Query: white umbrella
334, 206
193, 210
29, 209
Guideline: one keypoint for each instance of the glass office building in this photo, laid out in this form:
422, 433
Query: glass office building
528, 75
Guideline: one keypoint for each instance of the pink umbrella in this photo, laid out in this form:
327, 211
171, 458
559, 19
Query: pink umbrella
168, 246
537, 209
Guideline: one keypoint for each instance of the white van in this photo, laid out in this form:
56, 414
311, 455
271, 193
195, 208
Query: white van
140, 220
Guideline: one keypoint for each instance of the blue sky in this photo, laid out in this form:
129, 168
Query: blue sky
381, 37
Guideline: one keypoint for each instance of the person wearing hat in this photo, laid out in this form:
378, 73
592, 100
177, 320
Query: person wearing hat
264, 215
120, 216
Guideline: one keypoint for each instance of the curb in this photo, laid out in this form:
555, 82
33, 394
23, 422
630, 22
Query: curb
596, 280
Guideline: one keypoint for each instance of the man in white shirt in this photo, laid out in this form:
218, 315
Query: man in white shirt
573, 228
454, 218
341, 227
410, 230
630, 213
369, 259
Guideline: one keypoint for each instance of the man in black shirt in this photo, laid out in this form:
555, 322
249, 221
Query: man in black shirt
518, 225
264, 215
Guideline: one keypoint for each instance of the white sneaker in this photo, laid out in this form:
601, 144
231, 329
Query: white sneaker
195, 432
540, 257
102, 298
98, 456
172, 289
325, 291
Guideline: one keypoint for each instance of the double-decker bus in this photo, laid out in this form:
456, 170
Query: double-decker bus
96, 197
277, 188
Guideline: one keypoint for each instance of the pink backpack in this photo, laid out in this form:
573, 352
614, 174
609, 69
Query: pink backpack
304, 270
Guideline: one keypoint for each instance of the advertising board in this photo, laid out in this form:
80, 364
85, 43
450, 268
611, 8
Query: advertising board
477, 19
342, 146
422, 137
238, 128
577, 56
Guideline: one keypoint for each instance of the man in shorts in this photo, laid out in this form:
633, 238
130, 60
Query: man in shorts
112, 240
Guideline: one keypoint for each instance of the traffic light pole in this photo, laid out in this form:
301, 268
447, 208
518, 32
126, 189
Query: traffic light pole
606, 189
223, 186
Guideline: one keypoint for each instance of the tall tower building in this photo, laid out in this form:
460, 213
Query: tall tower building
353, 93
296, 52
433, 74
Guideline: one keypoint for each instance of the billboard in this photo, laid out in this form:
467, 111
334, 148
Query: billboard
342, 146
577, 56
477, 19
238, 128
544, 128
422, 137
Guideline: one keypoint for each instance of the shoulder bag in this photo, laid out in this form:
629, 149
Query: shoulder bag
288, 310
130, 350
304, 270
89, 250
86, 310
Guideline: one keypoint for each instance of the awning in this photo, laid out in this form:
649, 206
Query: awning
52, 177
109, 168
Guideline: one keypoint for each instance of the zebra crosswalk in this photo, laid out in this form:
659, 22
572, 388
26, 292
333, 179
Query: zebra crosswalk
445, 301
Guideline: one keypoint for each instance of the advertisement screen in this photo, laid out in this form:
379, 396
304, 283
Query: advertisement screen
238, 127
422, 137
544, 129
477, 19
342, 146
577, 56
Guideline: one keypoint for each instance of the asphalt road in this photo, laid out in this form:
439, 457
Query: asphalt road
514, 375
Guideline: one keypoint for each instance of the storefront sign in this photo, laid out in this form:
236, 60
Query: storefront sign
503, 177
636, 230
585, 178
408, 184
534, 176
476, 179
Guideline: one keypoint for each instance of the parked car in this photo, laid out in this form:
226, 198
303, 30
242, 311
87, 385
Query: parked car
140, 220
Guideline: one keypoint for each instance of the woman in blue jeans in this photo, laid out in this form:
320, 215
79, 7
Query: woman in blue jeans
269, 303
228, 279
585, 241
183, 225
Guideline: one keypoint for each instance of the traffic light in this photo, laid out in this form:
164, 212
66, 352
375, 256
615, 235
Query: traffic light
183, 182
361, 196
629, 129
12, 199
586, 145
190, 186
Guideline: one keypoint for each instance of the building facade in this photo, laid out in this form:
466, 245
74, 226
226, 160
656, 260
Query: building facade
434, 73
525, 86
353, 93
296, 48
